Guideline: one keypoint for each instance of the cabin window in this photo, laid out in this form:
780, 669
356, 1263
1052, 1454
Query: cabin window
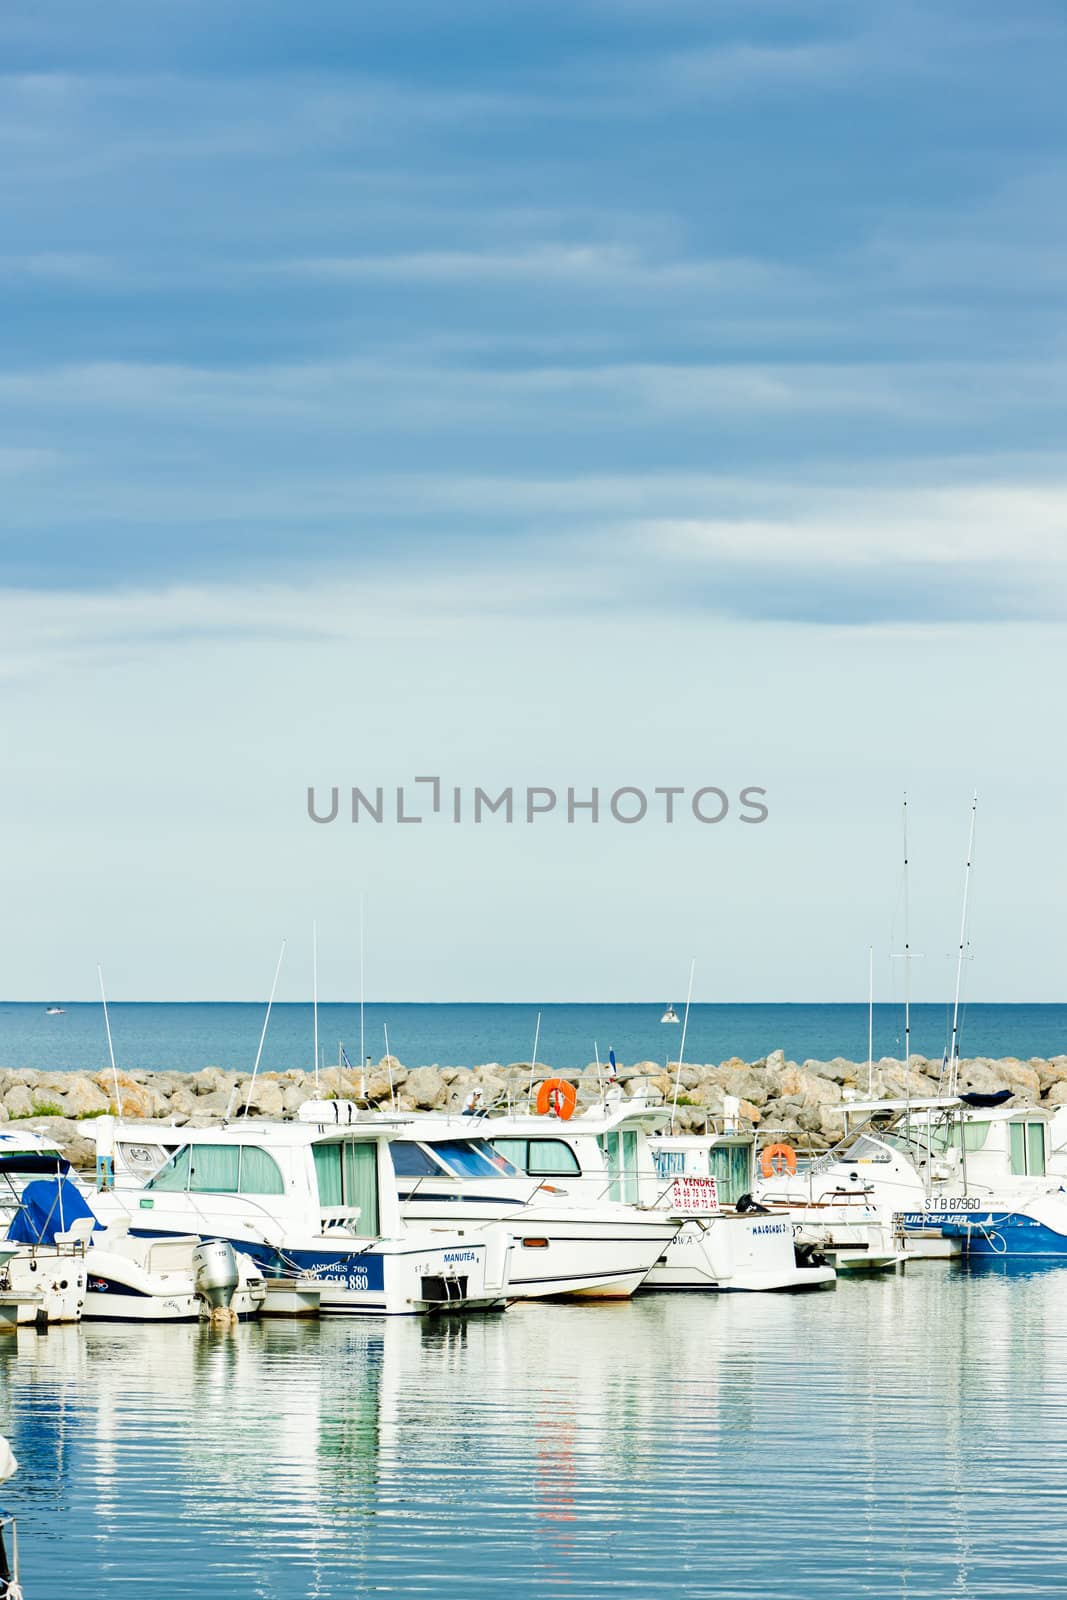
1027, 1149
1035, 1148
499, 1163
513, 1151
731, 1167
174, 1177
215, 1169
347, 1175
361, 1183
465, 1158
260, 1173
620, 1158
328, 1173
412, 1161
551, 1158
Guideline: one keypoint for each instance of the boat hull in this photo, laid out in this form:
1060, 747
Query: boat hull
748, 1253
565, 1252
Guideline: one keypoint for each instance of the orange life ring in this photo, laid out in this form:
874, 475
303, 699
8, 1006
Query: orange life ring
557, 1097
776, 1159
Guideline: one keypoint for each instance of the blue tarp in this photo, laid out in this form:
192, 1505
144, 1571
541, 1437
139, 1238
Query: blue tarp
47, 1206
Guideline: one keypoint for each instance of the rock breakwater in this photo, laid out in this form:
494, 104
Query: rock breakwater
802, 1101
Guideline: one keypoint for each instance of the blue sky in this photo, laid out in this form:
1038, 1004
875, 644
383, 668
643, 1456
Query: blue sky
523, 391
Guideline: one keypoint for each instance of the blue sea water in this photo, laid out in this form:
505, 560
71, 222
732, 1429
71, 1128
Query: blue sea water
193, 1035
897, 1439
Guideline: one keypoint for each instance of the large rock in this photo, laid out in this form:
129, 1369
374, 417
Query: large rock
266, 1099
19, 1101
137, 1101
426, 1087
84, 1098
210, 1079
1050, 1072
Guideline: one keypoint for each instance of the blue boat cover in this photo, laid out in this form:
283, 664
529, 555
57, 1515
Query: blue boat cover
47, 1206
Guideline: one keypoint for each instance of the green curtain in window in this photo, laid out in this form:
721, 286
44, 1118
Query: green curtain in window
1018, 1149
214, 1169
629, 1166
174, 1177
514, 1150
361, 1184
731, 1167
1035, 1139
551, 1158
260, 1173
609, 1143
975, 1135
328, 1173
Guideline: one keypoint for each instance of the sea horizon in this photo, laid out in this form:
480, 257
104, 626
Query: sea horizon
188, 1035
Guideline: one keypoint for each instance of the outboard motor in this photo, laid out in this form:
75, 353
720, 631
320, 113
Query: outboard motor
216, 1274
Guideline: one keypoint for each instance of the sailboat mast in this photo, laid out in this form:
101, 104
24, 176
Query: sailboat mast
870, 1021
953, 1061
315, 995
681, 1046
907, 963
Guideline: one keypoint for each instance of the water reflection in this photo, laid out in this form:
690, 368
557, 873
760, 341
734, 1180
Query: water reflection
882, 1441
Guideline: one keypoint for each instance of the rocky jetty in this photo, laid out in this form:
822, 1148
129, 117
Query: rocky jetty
801, 1101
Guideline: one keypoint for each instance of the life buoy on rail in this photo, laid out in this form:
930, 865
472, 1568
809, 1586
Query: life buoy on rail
557, 1097
776, 1159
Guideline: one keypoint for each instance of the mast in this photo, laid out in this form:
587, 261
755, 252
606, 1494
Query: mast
362, 1042
110, 1046
263, 1035
681, 1046
315, 995
870, 1021
953, 1054
907, 960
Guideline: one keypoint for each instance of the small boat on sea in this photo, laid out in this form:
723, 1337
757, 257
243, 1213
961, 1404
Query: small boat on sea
54, 1011
670, 1015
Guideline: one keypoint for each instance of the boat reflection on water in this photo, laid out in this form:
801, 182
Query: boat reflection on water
678, 1445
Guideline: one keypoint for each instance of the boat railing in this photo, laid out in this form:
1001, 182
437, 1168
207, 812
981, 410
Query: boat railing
10, 1586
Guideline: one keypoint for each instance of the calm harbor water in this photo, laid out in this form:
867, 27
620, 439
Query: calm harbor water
194, 1035
902, 1437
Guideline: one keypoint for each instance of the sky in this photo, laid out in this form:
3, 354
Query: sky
632, 395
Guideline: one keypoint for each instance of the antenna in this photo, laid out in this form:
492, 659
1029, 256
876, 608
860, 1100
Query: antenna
315, 996
533, 1059
681, 1047
907, 956
110, 1046
389, 1067
953, 1055
870, 1021
362, 1042
263, 1035
599, 1074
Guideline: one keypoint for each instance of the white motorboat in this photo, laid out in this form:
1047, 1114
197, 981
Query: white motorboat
670, 1015
565, 1244
949, 1173
315, 1199
78, 1269
617, 1150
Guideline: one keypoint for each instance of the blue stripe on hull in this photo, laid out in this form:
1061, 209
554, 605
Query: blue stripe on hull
1007, 1234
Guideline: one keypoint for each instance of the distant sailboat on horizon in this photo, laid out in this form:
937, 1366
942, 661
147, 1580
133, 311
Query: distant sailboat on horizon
670, 1015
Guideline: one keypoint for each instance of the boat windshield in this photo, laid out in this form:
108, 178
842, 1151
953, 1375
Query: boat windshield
866, 1149
473, 1158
